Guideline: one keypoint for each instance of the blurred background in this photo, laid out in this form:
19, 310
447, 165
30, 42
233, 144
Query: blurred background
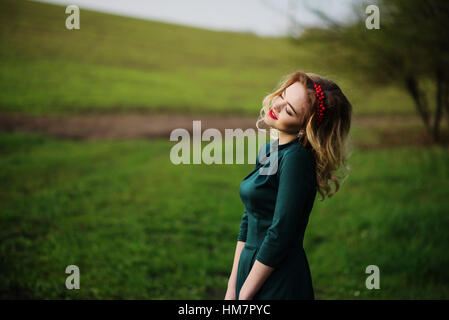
85, 119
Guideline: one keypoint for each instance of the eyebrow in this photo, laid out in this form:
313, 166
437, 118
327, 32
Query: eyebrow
288, 102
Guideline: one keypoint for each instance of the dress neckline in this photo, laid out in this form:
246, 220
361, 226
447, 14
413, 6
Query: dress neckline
285, 145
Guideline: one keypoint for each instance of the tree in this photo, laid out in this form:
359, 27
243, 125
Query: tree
411, 47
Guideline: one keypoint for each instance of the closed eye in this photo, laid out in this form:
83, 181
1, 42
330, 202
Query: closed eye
286, 108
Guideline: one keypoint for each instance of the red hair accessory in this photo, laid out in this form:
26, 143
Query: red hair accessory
320, 109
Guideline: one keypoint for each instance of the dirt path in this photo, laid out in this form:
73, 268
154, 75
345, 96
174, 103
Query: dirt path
393, 130
116, 126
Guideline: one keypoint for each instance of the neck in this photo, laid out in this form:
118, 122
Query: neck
286, 137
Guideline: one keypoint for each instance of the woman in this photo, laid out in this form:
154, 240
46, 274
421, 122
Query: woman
312, 118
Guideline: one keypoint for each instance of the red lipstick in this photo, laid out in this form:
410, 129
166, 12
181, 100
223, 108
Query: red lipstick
271, 114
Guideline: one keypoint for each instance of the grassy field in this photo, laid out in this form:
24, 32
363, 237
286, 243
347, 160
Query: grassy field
121, 64
141, 227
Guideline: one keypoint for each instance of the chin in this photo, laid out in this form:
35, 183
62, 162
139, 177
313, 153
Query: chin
270, 123
268, 120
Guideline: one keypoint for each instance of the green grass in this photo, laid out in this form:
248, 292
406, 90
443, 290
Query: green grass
119, 64
141, 227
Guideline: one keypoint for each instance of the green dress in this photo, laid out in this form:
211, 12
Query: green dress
277, 208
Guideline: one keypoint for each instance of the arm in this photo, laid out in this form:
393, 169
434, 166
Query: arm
241, 240
256, 278
296, 185
230, 293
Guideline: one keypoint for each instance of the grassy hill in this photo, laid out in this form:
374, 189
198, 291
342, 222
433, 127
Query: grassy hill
115, 63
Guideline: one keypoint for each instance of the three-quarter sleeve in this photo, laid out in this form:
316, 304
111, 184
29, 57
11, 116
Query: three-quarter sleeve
296, 187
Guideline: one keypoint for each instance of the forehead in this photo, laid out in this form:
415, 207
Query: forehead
296, 95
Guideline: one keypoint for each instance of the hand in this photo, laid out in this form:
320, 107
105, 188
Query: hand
230, 294
243, 295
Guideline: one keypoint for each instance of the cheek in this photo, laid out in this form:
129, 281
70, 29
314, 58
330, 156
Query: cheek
288, 121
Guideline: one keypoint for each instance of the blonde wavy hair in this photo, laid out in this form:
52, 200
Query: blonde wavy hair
330, 141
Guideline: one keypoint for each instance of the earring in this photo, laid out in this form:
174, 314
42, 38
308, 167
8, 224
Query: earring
300, 133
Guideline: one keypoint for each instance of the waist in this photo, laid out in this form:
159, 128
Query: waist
258, 229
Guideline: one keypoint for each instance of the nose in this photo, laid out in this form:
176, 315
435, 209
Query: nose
278, 104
